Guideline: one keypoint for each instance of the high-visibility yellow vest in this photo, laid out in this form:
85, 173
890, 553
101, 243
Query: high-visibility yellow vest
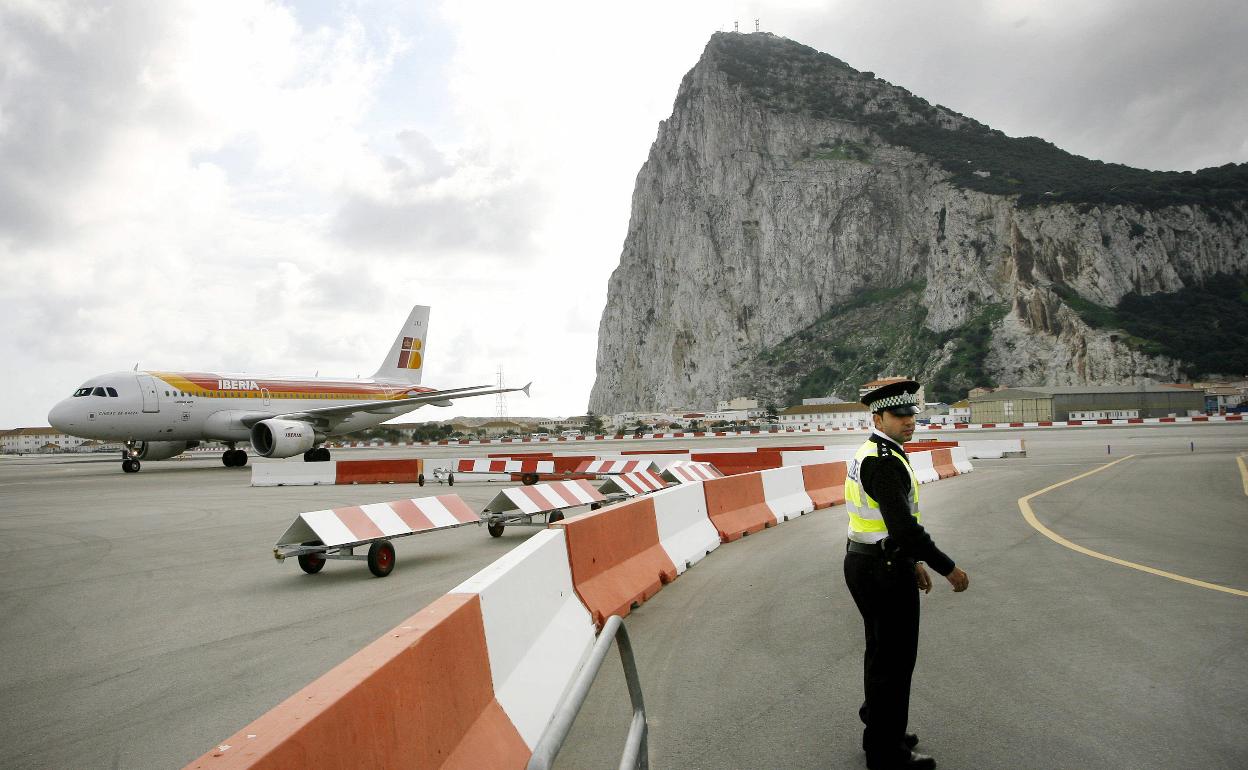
866, 525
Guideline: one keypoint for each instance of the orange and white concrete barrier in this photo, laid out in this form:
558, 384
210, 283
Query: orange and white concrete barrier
737, 505
294, 473
825, 483
612, 467
616, 557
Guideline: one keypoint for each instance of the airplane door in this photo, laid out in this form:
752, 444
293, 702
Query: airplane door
264, 392
151, 399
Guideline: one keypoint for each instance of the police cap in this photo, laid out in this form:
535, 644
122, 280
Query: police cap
896, 397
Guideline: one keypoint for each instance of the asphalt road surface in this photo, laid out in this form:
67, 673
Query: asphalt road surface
144, 618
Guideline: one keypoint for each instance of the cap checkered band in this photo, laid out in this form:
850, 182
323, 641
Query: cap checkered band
901, 399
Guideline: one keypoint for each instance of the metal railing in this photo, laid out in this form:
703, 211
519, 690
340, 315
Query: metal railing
635, 755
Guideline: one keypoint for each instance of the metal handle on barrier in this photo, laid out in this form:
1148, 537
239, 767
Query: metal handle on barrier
636, 755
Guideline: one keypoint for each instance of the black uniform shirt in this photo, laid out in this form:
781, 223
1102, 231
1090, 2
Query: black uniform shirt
885, 478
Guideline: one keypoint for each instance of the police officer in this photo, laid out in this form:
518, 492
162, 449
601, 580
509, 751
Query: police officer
884, 571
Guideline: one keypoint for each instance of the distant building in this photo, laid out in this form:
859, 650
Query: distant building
739, 403
41, 440
1084, 402
832, 399
843, 415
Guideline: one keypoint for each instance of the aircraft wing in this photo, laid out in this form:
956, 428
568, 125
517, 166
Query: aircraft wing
330, 417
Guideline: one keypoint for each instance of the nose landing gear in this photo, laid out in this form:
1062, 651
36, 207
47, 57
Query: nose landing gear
130, 458
318, 455
234, 458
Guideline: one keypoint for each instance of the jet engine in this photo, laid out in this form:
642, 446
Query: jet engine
282, 438
162, 450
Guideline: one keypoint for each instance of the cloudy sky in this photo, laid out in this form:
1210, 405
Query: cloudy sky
266, 186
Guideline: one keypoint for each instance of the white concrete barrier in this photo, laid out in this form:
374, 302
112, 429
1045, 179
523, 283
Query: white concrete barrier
786, 493
537, 631
685, 531
961, 460
924, 469
293, 473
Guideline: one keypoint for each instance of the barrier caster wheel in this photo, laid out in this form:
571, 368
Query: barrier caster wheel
130, 466
495, 530
595, 506
554, 516
381, 558
420, 479
311, 563
528, 479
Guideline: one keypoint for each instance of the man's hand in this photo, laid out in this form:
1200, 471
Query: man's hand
958, 580
921, 577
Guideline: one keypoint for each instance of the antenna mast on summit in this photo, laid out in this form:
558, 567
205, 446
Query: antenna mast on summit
500, 403
756, 25
736, 26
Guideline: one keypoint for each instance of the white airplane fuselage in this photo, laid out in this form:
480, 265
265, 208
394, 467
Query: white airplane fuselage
198, 406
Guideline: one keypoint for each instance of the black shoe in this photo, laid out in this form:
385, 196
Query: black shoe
909, 739
912, 762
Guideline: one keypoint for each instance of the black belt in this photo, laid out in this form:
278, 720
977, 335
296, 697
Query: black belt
870, 549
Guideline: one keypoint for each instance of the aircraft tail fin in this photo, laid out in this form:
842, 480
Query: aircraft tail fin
406, 359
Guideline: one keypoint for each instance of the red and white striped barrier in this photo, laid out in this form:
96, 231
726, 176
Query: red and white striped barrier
504, 466
611, 467
294, 473
633, 484
687, 472
358, 524
543, 498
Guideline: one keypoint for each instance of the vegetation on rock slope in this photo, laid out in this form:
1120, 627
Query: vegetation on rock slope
792, 77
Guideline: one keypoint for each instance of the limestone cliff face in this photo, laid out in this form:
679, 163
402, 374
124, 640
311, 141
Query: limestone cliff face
749, 222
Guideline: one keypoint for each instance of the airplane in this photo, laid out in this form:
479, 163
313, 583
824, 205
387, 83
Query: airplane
160, 415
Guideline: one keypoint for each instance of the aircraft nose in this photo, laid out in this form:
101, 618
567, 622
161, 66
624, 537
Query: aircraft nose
60, 417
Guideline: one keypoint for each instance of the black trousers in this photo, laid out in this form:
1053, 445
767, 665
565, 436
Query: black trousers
888, 599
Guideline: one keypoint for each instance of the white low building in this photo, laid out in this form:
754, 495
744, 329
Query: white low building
39, 440
844, 415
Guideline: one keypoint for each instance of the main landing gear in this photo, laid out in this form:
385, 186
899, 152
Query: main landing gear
318, 455
234, 458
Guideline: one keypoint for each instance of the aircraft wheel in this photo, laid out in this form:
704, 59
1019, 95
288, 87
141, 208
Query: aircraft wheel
227, 458
309, 456
554, 516
130, 466
240, 459
381, 558
495, 530
420, 479
450, 480
322, 454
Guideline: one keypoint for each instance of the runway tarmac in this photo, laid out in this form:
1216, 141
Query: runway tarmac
145, 619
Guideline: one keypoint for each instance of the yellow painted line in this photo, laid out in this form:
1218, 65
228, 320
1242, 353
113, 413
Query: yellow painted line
1243, 472
1024, 504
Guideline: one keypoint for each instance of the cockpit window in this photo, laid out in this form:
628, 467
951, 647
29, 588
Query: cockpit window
98, 391
112, 392
82, 392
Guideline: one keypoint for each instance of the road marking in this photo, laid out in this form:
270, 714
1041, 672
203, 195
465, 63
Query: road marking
1243, 472
1024, 504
